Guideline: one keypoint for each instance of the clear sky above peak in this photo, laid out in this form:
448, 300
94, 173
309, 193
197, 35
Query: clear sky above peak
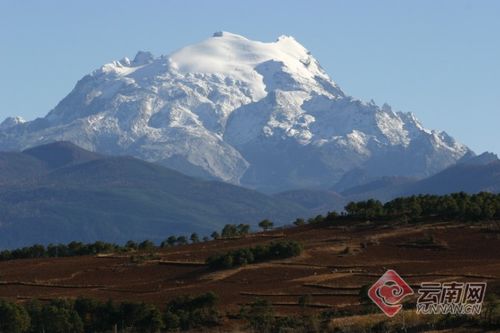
438, 59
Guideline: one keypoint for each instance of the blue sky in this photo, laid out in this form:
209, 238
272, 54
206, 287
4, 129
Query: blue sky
439, 59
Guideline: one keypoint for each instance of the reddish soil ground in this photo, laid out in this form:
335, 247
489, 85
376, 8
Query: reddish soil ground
337, 261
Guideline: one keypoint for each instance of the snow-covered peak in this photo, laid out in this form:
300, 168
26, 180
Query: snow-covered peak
227, 34
235, 56
142, 58
289, 42
11, 122
261, 114
228, 53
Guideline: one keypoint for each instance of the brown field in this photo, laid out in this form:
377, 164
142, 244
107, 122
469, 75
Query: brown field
337, 261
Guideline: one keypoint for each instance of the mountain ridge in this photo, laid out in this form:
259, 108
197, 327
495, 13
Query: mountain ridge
117, 198
478, 174
223, 107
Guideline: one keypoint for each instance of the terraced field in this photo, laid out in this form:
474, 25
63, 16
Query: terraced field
337, 261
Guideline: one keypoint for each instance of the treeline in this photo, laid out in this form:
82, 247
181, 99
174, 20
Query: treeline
260, 316
81, 249
85, 315
259, 253
232, 231
73, 249
61, 250
463, 206
199, 313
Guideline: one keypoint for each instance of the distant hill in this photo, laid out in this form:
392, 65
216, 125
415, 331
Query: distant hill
466, 177
481, 173
316, 201
17, 166
37, 161
59, 192
60, 154
483, 159
382, 188
471, 175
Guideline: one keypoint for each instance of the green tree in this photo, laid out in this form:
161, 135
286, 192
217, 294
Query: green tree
243, 229
107, 316
59, 317
188, 312
243, 256
332, 216
86, 309
171, 320
227, 261
266, 224
352, 208
299, 222
181, 240
13, 318
194, 238
260, 315
35, 312
171, 241
215, 235
147, 245
149, 319
131, 245
37, 251
129, 314
229, 230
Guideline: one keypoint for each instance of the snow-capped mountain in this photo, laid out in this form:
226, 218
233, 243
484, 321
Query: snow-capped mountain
11, 122
264, 115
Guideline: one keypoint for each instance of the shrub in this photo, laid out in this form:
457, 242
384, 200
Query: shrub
266, 224
244, 256
13, 318
190, 312
259, 314
299, 222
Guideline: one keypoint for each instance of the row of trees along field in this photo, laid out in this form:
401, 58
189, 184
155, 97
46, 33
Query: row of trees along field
463, 206
88, 315
259, 253
80, 249
460, 206
199, 314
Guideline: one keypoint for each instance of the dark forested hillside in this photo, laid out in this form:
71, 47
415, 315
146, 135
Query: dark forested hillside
60, 192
